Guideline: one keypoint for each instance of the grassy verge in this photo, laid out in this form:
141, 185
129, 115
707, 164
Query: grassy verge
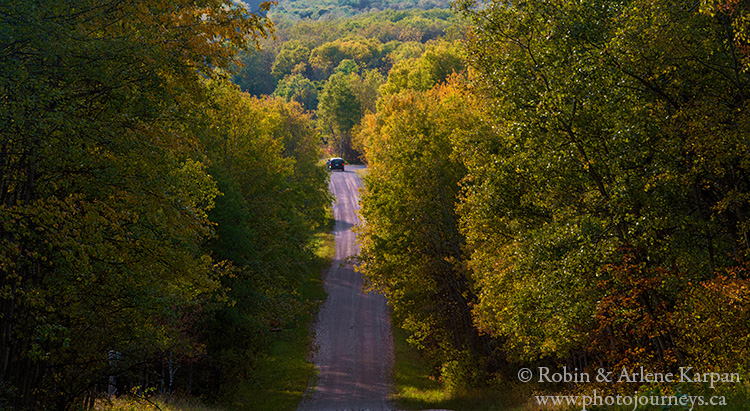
159, 403
417, 390
281, 378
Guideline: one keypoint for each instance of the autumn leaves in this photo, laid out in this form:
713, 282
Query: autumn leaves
576, 196
123, 154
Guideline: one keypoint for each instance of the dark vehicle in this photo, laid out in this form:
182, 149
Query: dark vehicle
336, 163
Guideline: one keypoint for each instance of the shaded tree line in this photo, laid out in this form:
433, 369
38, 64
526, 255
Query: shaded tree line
154, 220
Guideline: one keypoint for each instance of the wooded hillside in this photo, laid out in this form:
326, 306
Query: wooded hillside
338, 9
335, 67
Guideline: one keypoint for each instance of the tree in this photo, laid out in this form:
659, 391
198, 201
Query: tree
366, 87
339, 110
326, 58
292, 54
103, 192
614, 181
411, 247
254, 74
299, 89
438, 62
264, 155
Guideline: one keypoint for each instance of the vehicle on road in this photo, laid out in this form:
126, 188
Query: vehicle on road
336, 163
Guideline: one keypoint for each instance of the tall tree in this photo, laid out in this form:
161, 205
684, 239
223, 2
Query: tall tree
264, 155
435, 65
103, 197
299, 89
293, 57
615, 186
254, 72
340, 110
411, 247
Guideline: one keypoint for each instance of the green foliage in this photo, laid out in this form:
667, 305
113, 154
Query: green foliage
366, 87
125, 225
337, 9
150, 212
411, 249
612, 193
136, 403
254, 74
438, 62
384, 26
340, 109
579, 194
264, 156
602, 215
336, 67
325, 59
103, 195
281, 376
314, 49
292, 58
298, 89
735, 14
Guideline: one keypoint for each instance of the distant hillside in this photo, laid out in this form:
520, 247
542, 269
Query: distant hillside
327, 9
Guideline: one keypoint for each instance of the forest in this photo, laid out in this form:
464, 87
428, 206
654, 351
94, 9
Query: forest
156, 222
572, 188
576, 197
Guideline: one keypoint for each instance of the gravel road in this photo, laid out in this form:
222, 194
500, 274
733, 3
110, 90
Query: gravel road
353, 331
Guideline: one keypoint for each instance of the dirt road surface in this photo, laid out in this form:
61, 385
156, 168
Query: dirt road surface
353, 331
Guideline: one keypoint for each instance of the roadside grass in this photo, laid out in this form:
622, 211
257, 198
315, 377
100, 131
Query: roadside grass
280, 379
417, 390
127, 403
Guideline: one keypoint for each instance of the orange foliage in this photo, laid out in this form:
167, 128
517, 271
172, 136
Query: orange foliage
632, 317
